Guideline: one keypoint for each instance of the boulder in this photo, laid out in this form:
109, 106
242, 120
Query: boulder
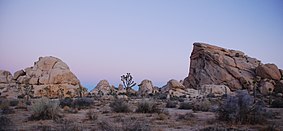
215, 90
174, 88
19, 73
145, 88
266, 87
102, 88
120, 87
212, 65
5, 77
269, 71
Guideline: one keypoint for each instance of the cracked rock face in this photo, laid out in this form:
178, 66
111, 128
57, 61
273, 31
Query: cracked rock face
215, 65
49, 77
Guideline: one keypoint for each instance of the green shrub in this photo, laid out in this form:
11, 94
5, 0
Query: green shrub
82, 103
5, 107
171, 104
14, 102
201, 105
277, 103
5, 123
45, 109
119, 105
147, 107
185, 105
66, 102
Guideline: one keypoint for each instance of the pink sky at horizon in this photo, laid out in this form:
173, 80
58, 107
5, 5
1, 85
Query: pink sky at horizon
150, 39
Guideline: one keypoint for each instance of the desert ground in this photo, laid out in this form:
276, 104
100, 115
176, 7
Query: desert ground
112, 114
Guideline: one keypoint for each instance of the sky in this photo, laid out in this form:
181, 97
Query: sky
151, 39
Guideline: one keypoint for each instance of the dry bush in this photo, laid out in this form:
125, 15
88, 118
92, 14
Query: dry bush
185, 105
201, 105
45, 109
91, 115
105, 125
69, 125
14, 102
187, 116
147, 107
5, 123
241, 109
5, 107
120, 106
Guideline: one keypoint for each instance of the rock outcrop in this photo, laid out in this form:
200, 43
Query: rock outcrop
49, 77
174, 88
5, 77
8, 87
212, 65
214, 90
145, 88
103, 88
215, 65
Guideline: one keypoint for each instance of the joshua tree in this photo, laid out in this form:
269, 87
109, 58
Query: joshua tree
81, 91
128, 81
27, 92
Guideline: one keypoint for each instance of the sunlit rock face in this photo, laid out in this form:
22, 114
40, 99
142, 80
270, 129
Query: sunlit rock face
212, 65
49, 77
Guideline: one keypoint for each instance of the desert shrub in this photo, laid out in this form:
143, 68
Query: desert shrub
135, 125
82, 103
187, 116
14, 102
171, 104
201, 105
277, 103
91, 115
43, 128
104, 125
45, 109
5, 107
241, 109
147, 107
66, 102
119, 105
218, 128
5, 123
69, 125
185, 105
161, 96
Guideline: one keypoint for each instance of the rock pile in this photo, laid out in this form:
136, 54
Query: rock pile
49, 77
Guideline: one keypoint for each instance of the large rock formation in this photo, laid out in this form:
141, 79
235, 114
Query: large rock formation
218, 66
49, 77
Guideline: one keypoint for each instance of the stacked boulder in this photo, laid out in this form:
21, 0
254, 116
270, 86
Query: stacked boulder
8, 87
49, 77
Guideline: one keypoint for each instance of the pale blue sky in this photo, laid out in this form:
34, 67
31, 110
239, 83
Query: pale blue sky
152, 39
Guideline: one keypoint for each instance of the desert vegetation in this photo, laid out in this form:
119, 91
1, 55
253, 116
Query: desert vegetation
143, 114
